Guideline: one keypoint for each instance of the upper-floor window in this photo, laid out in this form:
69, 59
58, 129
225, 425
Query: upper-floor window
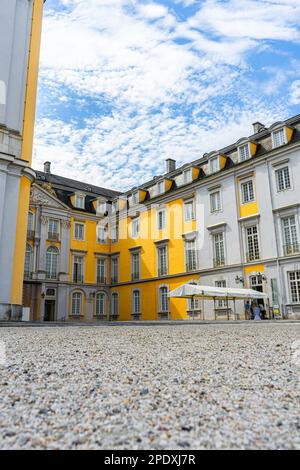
162, 260
114, 268
101, 270
247, 192
244, 152
114, 206
53, 229
294, 280
78, 268
79, 201
79, 230
101, 206
290, 235
252, 243
187, 176
161, 187
51, 262
30, 223
214, 164
283, 178
279, 137
215, 201
189, 210
190, 255
135, 198
218, 249
115, 233
135, 265
136, 302
101, 234
135, 227
161, 219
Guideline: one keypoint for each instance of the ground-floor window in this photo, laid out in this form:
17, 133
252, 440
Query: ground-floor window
114, 303
294, 279
77, 303
163, 299
221, 303
136, 302
100, 304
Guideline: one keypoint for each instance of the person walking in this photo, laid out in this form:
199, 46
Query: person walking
247, 310
256, 312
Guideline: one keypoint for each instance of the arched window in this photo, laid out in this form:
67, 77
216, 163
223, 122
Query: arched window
163, 299
76, 304
100, 304
28, 262
51, 262
30, 221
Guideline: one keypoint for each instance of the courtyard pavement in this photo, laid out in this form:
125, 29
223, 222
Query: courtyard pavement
189, 385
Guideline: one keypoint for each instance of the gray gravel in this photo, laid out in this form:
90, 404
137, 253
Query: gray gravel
151, 387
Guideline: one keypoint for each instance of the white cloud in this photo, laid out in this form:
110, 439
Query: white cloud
295, 92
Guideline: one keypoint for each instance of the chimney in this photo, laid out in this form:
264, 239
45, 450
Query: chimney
257, 127
170, 165
47, 167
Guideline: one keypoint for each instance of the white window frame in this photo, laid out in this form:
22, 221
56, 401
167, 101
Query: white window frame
160, 299
50, 274
135, 227
244, 183
164, 219
100, 260
187, 176
252, 236
100, 239
30, 221
135, 198
52, 219
284, 179
98, 294
161, 187
159, 270
213, 199
244, 156
79, 197
115, 295
189, 216
194, 264
83, 225
133, 272
294, 237
82, 264
282, 141
115, 278
73, 312
101, 206
214, 239
211, 165
28, 261
296, 281
221, 303
133, 305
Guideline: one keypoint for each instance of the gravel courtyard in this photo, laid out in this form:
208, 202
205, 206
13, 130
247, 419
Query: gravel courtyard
151, 387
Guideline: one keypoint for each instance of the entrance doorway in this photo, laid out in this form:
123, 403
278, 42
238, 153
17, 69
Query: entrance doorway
49, 310
256, 283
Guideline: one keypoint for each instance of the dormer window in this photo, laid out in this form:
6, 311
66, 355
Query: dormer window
244, 152
187, 176
114, 206
101, 206
161, 187
279, 137
79, 201
135, 198
214, 165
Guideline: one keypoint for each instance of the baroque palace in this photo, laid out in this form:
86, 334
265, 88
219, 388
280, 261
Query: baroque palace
229, 218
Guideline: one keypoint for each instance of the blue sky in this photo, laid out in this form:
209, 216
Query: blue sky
125, 84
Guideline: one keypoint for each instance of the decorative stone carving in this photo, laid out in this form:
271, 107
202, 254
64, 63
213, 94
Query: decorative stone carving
39, 198
48, 187
66, 224
44, 219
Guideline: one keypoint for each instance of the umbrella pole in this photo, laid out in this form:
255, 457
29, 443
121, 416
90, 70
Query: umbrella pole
234, 306
215, 308
203, 308
227, 308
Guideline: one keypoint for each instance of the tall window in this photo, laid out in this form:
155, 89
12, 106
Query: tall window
252, 243
136, 302
244, 152
222, 302
187, 176
163, 299
77, 303
53, 229
101, 206
101, 234
190, 255
162, 258
100, 304
51, 262
135, 198
115, 233
114, 270
294, 279
101, 270
115, 304
135, 227
279, 137
214, 165
247, 192
290, 235
79, 231
28, 262
283, 178
135, 266
78, 265
161, 219
218, 248
193, 305
215, 201
189, 210
79, 201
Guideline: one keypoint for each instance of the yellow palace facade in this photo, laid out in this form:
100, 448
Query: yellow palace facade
229, 218
20, 32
